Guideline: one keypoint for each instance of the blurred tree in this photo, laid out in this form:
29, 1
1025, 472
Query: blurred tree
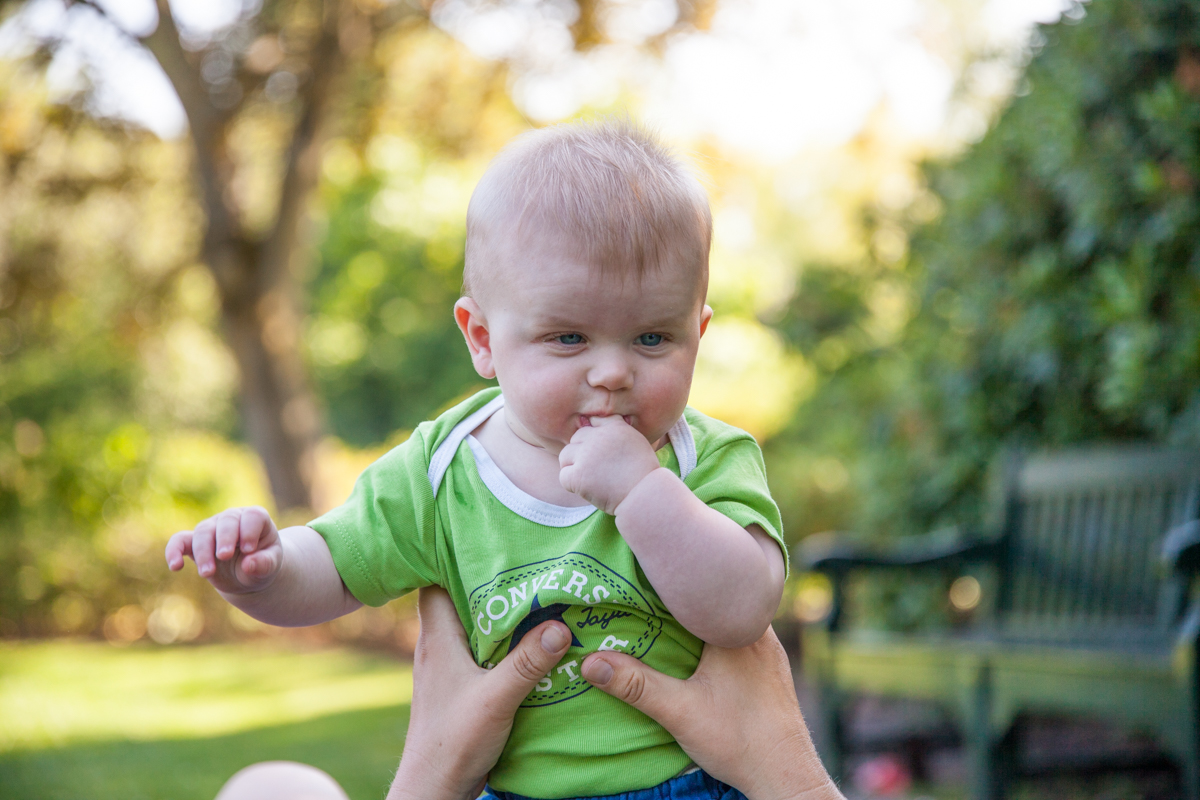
382, 343
283, 67
97, 230
1055, 300
288, 70
111, 382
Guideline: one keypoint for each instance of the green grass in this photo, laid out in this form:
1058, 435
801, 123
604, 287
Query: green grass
87, 720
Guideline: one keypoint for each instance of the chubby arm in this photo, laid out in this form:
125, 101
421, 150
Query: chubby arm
307, 590
285, 578
720, 580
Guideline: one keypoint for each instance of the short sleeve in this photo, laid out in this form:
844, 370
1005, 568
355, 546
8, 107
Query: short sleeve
733, 480
384, 538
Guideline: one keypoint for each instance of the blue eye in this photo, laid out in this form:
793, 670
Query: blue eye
569, 338
650, 339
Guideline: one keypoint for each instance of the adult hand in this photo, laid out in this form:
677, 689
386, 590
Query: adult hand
462, 714
737, 717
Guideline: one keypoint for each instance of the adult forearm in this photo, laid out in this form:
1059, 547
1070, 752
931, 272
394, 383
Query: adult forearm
421, 783
800, 777
307, 590
715, 577
803, 777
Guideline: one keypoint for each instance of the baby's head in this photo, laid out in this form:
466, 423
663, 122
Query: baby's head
585, 277
607, 191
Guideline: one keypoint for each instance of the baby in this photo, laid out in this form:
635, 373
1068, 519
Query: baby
582, 489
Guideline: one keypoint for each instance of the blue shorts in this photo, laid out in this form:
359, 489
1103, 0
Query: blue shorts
697, 785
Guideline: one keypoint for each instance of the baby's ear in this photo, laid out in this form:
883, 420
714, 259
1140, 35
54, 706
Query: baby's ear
473, 325
705, 315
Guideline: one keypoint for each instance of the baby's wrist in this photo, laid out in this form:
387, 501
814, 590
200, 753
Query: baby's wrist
646, 484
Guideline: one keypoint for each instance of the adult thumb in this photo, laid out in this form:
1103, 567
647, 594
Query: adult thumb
656, 695
511, 681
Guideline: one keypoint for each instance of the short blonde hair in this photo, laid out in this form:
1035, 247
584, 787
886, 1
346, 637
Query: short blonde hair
609, 189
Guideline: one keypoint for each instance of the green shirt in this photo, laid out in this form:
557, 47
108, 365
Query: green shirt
437, 510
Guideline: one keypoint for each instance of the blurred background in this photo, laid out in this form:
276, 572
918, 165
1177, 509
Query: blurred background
231, 236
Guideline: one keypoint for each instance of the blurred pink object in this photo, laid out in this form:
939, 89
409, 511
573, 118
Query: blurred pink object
883, 776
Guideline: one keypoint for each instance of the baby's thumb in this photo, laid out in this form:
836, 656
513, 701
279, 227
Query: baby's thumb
657, 695
514, 677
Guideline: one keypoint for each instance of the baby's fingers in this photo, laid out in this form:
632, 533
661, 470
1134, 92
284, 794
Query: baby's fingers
178, 546
567, 456
203, 546
257, 566
256, 528
568, 478
229, 525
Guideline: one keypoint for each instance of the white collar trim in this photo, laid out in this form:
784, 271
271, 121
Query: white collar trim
518, 501
684, 445
507, 492
444, 454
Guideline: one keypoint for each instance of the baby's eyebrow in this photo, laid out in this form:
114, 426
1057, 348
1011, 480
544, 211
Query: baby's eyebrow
573, 324
564, 323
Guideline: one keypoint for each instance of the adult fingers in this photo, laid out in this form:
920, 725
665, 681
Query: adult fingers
178, 546
659, 696
514, 678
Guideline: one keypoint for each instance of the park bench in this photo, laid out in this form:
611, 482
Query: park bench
1091, 612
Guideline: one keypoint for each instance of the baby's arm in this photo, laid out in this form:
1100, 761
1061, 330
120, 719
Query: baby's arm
279, 577
720, 580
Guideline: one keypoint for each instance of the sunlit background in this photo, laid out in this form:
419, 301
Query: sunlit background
818, 128
801, 117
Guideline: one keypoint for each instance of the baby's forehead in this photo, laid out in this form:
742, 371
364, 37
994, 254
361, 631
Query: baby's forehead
553, 259
574, 295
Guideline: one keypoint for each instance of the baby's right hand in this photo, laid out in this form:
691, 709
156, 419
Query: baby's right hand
238, 550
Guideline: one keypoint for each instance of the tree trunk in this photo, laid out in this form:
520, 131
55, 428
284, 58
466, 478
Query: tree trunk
259, 305
262, 329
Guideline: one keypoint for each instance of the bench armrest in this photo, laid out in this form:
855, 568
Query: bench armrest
1181, 548
836, 554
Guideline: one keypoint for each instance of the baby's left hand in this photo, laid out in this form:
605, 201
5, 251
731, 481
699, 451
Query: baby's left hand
603, 463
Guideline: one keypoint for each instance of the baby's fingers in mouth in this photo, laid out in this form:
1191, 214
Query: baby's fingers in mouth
589, 422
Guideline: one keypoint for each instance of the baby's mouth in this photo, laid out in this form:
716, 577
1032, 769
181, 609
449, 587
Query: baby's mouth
585, 420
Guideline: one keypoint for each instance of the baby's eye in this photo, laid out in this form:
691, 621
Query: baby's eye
569, 338
650, 339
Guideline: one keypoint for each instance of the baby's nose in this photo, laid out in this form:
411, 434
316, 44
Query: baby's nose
611, 373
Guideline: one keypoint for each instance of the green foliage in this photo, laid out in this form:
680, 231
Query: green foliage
385, 350
104, 355
382, 343
117, 423
1058, 295
68, 355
